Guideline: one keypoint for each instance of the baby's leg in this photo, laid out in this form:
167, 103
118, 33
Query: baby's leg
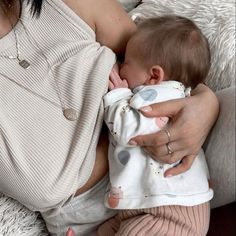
165, 220
110, 227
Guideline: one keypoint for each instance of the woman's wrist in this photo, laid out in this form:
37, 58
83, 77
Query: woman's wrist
206, 94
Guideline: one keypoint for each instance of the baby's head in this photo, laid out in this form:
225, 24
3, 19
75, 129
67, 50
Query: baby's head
166, 48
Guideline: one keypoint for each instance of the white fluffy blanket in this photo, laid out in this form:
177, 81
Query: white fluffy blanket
216, 19
16, 220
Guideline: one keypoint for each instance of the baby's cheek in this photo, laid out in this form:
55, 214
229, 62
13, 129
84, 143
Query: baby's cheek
161, 121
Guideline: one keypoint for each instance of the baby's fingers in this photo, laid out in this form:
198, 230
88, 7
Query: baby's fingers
110, 85
125, 83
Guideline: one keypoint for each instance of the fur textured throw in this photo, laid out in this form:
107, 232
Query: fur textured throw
216, 19
17, 220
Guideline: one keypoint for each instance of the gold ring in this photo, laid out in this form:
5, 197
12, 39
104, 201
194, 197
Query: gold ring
168, 134
169, 149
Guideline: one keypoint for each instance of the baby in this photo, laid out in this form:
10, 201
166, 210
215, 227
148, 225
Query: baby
165, 58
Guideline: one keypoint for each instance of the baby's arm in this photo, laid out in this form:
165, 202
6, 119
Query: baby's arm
123, 121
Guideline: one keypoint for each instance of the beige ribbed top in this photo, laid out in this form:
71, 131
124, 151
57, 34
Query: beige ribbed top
44, 157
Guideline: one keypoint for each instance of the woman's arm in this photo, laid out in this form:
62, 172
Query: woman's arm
112, 25
192, 118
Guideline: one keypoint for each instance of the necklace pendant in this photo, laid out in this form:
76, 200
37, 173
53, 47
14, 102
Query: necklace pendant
71, 114
24, 64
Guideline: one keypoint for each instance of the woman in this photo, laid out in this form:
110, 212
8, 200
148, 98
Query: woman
53, 153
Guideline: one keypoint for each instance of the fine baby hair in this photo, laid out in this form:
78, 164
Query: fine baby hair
177, 45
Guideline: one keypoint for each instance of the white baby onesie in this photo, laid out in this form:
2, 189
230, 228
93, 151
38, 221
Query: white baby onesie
136, 180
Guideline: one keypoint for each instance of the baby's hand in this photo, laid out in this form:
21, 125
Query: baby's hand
115, 81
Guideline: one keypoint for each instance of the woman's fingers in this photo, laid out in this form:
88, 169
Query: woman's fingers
161, 109
167, 158
155, 139
170, 109
191, 120
180, 135
183, 166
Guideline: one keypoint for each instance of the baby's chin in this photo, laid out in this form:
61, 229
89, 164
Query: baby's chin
132, 87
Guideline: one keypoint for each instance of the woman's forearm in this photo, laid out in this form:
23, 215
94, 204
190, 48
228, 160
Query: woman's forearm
191, 120
212, 105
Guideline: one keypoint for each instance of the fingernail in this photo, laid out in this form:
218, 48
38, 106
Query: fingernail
168, 176
132, 142
146, 109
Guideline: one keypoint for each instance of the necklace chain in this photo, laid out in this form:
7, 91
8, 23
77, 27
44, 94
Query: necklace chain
22, 62
37, 47
69, 113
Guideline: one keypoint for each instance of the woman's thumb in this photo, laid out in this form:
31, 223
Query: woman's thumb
168, 108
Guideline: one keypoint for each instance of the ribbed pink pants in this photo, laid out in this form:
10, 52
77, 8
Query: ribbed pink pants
159, 221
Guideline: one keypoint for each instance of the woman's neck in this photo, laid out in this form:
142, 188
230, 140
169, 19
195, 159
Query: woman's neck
8, 21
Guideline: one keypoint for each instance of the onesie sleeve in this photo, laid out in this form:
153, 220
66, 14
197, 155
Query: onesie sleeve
122, 114
124, 121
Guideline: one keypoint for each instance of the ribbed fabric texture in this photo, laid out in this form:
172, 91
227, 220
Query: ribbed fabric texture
164, 220
44, 157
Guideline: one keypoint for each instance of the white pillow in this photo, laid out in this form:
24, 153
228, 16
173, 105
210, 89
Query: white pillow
216, 19
128, 5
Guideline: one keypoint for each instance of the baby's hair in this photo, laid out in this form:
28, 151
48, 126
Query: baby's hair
177, 45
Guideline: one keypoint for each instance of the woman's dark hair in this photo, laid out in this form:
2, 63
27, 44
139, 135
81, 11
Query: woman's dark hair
36, 5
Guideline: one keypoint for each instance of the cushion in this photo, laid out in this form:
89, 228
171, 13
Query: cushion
216, 19
128, 5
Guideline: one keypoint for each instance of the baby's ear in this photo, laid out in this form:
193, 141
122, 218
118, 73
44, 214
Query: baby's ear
157, 75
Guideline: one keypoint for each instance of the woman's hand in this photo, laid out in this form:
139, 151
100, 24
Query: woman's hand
191, 120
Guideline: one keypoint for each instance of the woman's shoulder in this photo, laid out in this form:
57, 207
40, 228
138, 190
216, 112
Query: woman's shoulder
84, 9
108, 19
